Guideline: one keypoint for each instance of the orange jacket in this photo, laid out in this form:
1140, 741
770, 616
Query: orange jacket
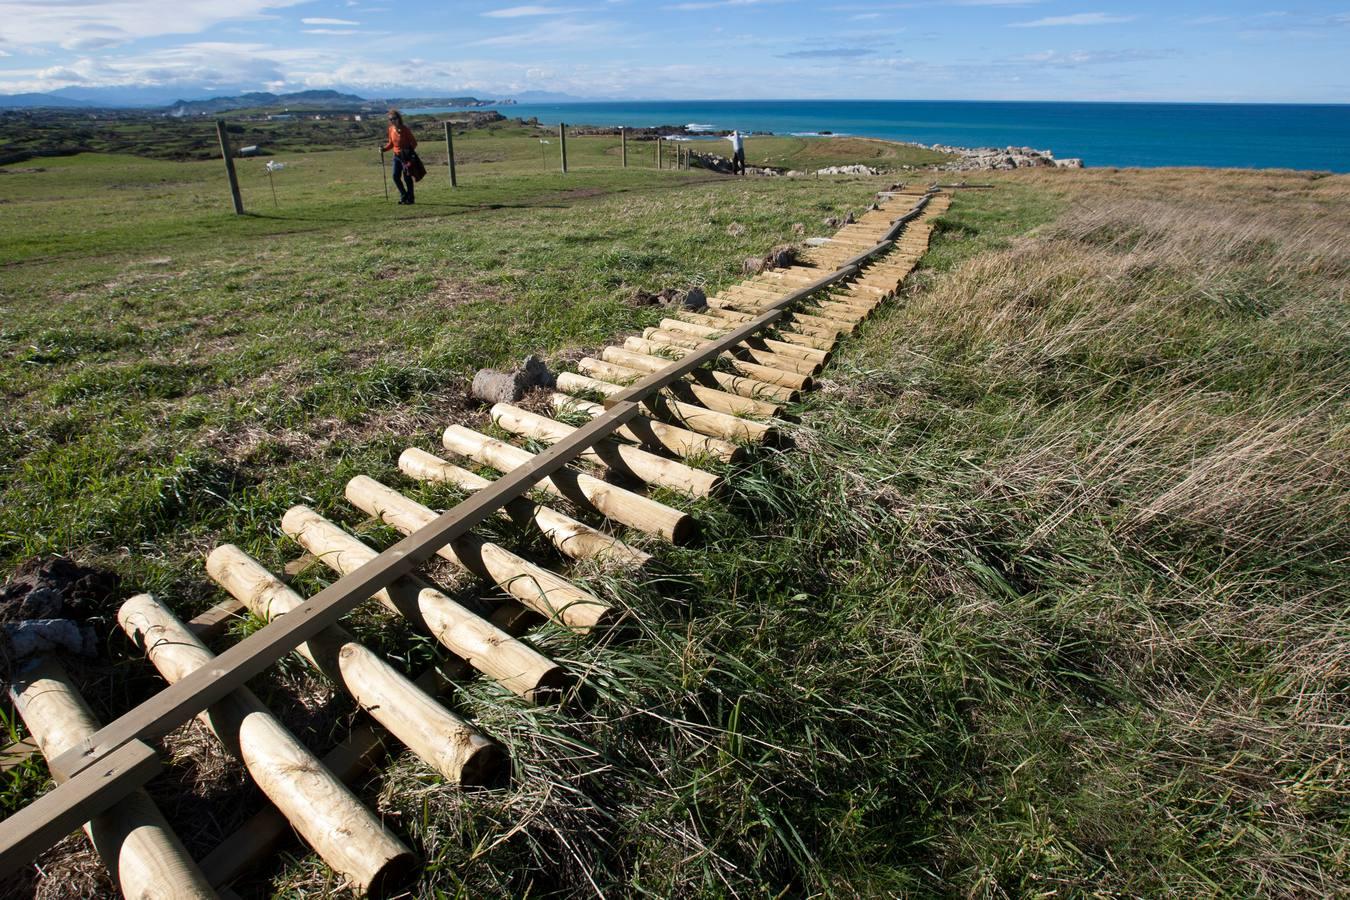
400, 139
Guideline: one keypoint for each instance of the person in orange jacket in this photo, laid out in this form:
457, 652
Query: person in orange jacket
402, 142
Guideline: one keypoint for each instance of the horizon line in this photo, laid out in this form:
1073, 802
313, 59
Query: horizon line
609, 100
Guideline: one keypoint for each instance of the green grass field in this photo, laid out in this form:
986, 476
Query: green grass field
808, 154
1046, 597
508, 145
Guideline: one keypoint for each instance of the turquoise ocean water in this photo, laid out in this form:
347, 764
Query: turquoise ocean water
1102, 134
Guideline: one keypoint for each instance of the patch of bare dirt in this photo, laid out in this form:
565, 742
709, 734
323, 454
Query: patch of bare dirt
573, 355
47, 607
452, 292
537, 400
667, 296
44, 587
779, 257
70, 869
263, 449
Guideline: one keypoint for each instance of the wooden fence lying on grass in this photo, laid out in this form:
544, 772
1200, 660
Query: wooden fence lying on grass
700, 386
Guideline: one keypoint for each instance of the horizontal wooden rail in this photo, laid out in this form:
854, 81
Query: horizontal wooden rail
229, 671
56, 814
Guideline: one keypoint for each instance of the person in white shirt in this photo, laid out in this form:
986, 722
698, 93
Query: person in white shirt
737, 152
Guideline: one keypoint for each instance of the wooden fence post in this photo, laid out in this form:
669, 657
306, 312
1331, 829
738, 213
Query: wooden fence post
623, 145
450, 153
229, 167
562, 141
659, 142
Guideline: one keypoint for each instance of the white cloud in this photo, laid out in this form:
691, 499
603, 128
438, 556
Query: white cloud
203, 65
1092, 18
552, 34
89, 24
1075, 58
828, 53
714, 4
323, 21
517, 12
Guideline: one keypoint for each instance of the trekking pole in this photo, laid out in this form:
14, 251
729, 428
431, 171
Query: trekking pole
385, 173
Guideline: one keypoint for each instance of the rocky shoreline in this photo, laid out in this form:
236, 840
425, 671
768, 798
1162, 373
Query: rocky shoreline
968, 159
974, 159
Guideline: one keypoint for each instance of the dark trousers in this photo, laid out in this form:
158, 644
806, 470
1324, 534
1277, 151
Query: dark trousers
403, 180
738, 162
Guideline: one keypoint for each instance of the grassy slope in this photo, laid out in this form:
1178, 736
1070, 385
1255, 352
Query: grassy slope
1044, 600
810, 153
157, 347
1103, 470
194, 138
509, 141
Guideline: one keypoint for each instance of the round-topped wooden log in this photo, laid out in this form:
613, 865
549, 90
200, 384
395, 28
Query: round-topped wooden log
572, 538
515, 666
321, 808
726, 381
695, 417
654, 433
442, 739
143, 855
624, 459
783, 372
685, 391
615, 502
675, 329
550, 595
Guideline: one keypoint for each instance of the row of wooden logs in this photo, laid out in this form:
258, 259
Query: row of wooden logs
710, 417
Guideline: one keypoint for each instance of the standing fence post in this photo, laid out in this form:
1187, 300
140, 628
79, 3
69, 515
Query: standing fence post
450, 154
229, 167
659, 142
562, 141
623, 145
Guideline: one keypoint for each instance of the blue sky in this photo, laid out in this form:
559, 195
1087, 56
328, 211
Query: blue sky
681, 49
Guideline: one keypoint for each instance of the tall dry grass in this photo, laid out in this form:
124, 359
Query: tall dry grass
1124, 452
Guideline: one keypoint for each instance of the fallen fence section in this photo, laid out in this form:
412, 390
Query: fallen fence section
696, 389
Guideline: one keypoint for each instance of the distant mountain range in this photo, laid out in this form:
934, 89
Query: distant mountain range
30, 101
305, 99
165, 99
251, 99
